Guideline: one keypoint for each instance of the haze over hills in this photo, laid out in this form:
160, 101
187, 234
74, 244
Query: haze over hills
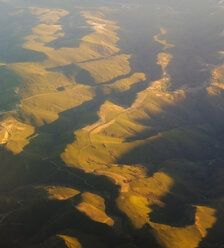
111, 124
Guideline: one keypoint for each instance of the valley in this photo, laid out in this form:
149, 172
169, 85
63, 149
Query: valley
111, 125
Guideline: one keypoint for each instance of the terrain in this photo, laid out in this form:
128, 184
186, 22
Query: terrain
111, 124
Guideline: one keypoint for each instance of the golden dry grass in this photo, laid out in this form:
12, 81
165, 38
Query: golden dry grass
163, 42
163, 59
109, 68
216, 86
204, 219
98, 147
14, 134
124, 84
40, 100
189, 236
49, 16
135, 207
45, 107
98, 44
94, 207
60, 192
71, 242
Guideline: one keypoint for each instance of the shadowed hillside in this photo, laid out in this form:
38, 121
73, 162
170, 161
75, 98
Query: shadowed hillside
111, 124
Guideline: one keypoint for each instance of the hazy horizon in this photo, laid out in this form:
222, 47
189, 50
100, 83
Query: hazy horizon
111, 124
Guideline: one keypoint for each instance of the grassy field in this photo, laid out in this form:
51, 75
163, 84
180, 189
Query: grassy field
94, 207
103, 155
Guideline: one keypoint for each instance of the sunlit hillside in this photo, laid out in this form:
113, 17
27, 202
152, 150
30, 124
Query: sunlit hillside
111, 124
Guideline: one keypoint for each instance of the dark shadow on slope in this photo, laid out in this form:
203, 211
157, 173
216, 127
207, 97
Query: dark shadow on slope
135, 40
214, 238
13, 29
126, 98
35, 171
214, 192
196, 54
190, 130
75, 73
182, 144
74, 28
176, 213
61, 132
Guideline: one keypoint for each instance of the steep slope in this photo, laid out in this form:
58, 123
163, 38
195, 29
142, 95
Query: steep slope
111, 130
